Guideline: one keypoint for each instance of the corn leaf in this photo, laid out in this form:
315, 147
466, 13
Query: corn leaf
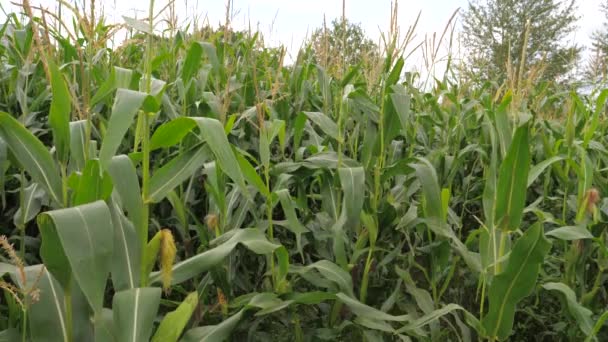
171, 133
82, 236
570, 233
512, 182
213, 333
134, 313
77, 144
33, 155
126, 184
252, 238
173, 324
581, 314
516, 282
126, 253
60, 112
212, 133
126, 105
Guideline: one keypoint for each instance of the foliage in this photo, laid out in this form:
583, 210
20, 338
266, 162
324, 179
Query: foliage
341, 45
281, 203
597, 68
529, 34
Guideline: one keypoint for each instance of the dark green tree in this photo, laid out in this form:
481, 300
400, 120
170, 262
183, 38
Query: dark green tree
494, 35
341, 45
596, 69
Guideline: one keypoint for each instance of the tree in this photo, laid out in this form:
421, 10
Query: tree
342, 45
495, 33
597, 67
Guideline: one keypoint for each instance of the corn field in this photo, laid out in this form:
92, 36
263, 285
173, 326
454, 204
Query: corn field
193, 186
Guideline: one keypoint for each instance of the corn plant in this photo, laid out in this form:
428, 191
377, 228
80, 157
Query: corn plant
190, 185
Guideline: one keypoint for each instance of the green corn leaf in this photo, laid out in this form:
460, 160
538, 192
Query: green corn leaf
171, 133
592, 125
395, 74
83, 236
48, 313
372, 227
60, 112
173, 324
176, 172
332, 272
512, 182
252, 238
435, 212
77, 144
430, 189
366, 311
352, 180
570, 233
325, 123
251, 174
119, 78
126, 105
503, 125
126, 253
180, 211
421, 296
490, 236
597, 327
104, 326
400, 100
581, 314
192, 62
539, 168
490, 175
264, 148
211, 53
435, 315
34, 197
126, 184
134, 313
328, 160
94, 184
33, 155
516, 282
283, 261
294, 224
151, 252
213, 333
212, 133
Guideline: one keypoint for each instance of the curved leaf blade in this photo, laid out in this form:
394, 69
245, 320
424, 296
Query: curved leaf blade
83, 236
516, 282
252, 238
33, 155
175, 172
581, 314
173, 324
512, 182
126, 105
60, 112
134, 312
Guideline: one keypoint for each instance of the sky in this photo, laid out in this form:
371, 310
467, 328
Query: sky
288, 22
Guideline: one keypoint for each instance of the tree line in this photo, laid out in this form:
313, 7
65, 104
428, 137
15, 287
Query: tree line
503, 41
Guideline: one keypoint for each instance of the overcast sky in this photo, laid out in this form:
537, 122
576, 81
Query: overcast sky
288, 22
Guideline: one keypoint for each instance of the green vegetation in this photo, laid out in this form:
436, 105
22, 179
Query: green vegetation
192, 186
503, 33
